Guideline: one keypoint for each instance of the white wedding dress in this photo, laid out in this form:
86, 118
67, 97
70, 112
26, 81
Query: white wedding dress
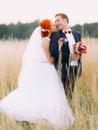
40, 94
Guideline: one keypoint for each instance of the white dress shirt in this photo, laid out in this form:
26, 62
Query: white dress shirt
71, 41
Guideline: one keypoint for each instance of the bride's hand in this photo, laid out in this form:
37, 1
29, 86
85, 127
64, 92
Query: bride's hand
52, 60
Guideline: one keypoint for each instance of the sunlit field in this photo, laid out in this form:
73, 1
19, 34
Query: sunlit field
85, 97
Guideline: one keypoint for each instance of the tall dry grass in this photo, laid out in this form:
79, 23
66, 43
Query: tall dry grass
85, 97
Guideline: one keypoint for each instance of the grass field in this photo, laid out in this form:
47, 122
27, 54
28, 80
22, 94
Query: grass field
85, 97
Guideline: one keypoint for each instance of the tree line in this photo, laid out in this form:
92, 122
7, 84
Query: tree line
24, 31
18, 31
87, 30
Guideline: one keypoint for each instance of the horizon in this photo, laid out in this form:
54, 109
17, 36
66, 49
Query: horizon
15, 23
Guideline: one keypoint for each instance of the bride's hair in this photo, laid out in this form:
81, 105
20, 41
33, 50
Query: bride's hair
45, 27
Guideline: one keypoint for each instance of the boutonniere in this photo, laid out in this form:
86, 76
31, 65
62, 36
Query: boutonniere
65, 39
80, 48
62, 41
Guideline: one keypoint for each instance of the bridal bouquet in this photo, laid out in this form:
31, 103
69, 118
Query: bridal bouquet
80, 48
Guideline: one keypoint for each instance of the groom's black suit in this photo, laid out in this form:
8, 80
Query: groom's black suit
65, 53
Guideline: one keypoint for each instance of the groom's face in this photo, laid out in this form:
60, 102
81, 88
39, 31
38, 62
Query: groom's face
61, 23
53, 28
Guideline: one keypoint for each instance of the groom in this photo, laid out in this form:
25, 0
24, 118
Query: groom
65, 37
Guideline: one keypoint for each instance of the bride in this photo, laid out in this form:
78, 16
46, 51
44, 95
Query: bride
40, 94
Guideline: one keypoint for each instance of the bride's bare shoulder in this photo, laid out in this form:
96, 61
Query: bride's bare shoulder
46, 39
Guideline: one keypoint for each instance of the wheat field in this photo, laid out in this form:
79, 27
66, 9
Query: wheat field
85, 97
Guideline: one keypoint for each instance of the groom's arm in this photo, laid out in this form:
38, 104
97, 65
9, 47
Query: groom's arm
54, 45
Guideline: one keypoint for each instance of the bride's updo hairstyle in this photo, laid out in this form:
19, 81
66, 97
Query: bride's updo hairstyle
45, 27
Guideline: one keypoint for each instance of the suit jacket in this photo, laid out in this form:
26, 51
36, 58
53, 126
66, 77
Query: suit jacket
54, 49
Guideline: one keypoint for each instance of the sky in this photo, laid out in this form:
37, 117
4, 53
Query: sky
25, 11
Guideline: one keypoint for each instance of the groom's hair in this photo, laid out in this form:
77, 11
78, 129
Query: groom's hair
63, 16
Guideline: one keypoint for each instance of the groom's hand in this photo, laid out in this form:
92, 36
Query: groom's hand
60, 41
75, 56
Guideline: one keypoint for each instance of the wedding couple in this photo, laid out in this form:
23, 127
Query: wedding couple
40, 94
